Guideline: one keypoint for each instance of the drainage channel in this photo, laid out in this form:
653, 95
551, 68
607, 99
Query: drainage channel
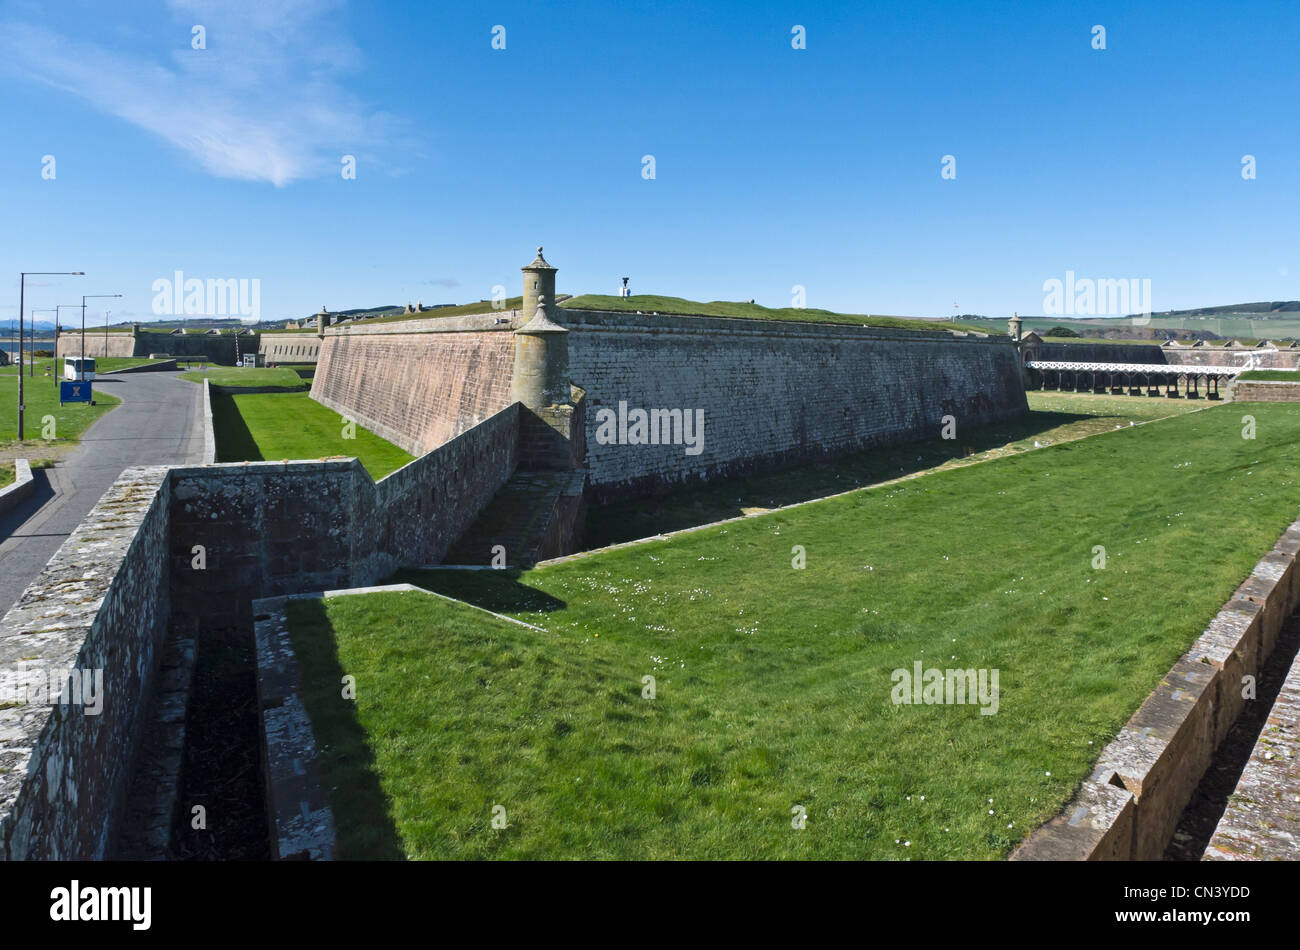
1201, 816
222, 806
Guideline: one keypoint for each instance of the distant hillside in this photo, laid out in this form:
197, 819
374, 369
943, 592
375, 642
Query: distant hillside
1261, 307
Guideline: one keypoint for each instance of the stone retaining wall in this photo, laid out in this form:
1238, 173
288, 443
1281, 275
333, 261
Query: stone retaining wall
101, 603
1261, 821
20, 489
1264, 390
770, 392
194, 546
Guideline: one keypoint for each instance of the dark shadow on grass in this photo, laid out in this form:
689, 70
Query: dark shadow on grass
788, 485
498, 591
235, 443
349, 771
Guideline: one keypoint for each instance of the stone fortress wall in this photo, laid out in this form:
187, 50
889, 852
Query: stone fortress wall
775, 392
289, 347
476, 398
419, 383
770, 392
216, 348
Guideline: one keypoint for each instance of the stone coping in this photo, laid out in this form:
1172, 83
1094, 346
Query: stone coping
19, 489
1128, 808
1262, 817
48, 629
298, 810
209, 433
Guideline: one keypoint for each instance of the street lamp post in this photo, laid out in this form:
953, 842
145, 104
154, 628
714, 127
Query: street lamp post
84, 297
58, 331
22, 289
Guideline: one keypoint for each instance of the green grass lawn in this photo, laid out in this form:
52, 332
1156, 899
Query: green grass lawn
649, 303
773, 684
6, 473
252, 427
1284, 375
1054, 417
111, 363
103, 364
240, 376
42, 399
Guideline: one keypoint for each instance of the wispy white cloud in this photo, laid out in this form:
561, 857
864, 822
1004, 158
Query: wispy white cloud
264, 101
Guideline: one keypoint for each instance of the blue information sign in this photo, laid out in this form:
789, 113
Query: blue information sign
74, 391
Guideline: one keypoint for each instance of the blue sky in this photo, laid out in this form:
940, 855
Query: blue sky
774, 167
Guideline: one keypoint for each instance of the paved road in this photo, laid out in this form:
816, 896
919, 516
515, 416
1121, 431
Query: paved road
160, 422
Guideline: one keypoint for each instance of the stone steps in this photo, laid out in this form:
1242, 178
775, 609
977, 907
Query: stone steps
517, 518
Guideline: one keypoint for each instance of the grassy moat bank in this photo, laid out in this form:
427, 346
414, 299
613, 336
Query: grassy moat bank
773, 682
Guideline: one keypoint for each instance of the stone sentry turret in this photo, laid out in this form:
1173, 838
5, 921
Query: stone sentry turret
539, 281
541, 376
550, 435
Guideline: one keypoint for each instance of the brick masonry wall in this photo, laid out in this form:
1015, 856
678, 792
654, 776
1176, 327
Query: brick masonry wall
290, 347
1265, 391
101, 603
776, 392
422, 384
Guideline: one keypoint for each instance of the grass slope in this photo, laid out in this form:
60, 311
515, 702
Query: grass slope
648, 303
1054, 417
239, 376
773, 683
6, 473
254, 427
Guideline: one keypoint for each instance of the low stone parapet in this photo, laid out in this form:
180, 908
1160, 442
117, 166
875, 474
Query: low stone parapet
20, 489
1265, 390
1128, 808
